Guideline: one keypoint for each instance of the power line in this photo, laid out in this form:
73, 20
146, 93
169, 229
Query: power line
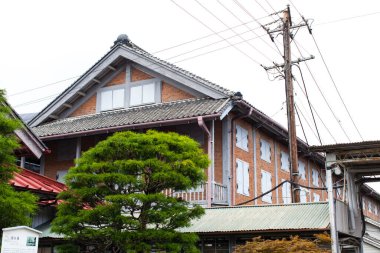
316, 112
308, 101
323, 95
241, 21
336, 88
299, 119
348, 18
249, 14
182, 60
205, 25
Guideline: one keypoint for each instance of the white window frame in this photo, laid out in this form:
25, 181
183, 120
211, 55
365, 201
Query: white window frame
241, 137
369, 206
266, 185
265, 151
286, 193
363, 204
242, 177
111, 89
303, 194
284, 158
127, 93
302, 172
316, 197
142, 85
315, 176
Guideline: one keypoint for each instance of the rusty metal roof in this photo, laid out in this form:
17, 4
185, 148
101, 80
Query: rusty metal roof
307, 216
31, 181
346, 146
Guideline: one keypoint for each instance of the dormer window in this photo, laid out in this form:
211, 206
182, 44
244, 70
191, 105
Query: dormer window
112, 99
142, 94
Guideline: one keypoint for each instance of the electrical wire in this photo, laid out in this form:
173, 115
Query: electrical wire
279, 185
308, 101
249, 14
336, 87
323, 95
182, 60
319, 117
299, 119
208, 27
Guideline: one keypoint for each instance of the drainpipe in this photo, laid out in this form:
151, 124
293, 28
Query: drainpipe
202, 125
233, 163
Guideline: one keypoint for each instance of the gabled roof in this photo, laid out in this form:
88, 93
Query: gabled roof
31, 181
124, 49
164, 113
31, 142
296, 217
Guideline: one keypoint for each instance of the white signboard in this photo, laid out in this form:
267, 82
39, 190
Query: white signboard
20, 239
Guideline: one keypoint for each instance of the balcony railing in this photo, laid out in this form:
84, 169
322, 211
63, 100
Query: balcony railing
199, 195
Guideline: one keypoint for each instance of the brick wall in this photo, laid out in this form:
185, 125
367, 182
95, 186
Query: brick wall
371, 213
88, 107
171, 93
119, 79
264, 165
138, 75
246, 156
218, 164
53, 162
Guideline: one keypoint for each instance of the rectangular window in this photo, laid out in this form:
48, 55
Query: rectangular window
266, 185
370, 206
285, 164
112, 99
60, 177
301, 170
303, 195
242, 177
265, 150
142, 94
375, 209
363, 203
286, 193
316, 197
241, 138
315, 176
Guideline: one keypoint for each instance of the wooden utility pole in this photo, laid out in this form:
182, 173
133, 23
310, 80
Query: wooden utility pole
294, 175
286, 68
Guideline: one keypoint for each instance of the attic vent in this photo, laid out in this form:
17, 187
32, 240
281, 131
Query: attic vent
123, 39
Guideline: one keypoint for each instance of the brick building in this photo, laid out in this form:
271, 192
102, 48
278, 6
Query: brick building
130, 89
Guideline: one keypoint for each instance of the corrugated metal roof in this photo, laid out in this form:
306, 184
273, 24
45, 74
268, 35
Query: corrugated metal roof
137, 115
346, 146
32, 181
308, 216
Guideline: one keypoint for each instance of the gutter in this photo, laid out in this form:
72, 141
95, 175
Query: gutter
130, 127
210, 142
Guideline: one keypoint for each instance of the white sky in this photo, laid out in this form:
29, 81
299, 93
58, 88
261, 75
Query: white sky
43, 42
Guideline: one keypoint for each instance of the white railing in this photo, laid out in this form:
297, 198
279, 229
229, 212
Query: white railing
199, 195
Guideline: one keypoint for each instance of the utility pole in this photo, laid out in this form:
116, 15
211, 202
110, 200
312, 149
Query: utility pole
285, 71
294, 175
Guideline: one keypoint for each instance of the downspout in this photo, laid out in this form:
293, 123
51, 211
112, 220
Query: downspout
233, 163
202, 125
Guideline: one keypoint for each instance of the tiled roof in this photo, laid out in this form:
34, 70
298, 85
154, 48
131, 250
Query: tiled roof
140, 51
137, 115
31, 181
308, 216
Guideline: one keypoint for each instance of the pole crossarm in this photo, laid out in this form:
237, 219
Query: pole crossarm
276, 65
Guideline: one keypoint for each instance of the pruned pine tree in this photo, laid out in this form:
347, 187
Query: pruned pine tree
115, 200
16, 208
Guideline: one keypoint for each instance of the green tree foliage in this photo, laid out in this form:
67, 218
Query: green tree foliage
115, 199
293, 245
16, 208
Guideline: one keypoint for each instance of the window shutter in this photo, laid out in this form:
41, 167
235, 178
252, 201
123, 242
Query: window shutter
239, 177
246, 178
